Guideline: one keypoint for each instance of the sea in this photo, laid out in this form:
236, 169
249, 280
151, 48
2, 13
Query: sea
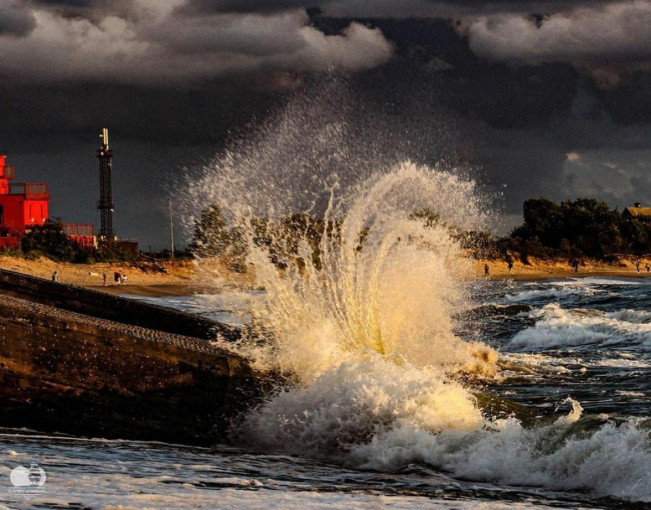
573, 370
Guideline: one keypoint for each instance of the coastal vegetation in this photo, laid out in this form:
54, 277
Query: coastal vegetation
50, 240
576, 230
583, 228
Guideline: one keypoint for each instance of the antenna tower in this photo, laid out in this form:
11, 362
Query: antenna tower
105, 204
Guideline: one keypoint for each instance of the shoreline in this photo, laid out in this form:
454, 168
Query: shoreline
552, 270
188, 277
164, 278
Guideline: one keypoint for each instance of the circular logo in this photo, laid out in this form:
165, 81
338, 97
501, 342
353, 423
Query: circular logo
34, 476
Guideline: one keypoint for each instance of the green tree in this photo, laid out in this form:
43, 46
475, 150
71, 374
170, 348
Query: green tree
50, 240
211, 237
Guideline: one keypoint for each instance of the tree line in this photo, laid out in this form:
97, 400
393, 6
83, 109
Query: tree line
583, 228
578, 229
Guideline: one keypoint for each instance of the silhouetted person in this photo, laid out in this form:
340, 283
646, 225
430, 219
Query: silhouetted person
648, 268
575, 266
486, 270
510, 267
637, 266
55, 276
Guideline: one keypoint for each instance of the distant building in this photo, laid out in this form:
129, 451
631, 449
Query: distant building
25, 205
22, 204
637, 211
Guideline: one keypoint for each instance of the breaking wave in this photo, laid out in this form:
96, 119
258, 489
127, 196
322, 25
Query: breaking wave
360, 307
556, 327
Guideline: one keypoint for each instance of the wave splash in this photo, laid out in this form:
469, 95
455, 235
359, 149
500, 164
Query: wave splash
385, 281
362, 314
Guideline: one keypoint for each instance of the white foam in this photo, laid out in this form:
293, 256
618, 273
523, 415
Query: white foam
634, 316
356, 400
611, 461
557, 327
559, 291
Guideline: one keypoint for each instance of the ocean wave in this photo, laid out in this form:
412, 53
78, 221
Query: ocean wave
557, 327
611, 460
634, 316
557, 292
381, 416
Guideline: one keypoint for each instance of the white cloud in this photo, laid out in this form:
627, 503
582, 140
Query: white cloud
612, 31
160, 45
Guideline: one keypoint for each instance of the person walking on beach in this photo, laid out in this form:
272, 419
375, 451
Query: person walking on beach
104, 279
486, 270
637, 265
647, 267
575, 265
55, 276
510, 266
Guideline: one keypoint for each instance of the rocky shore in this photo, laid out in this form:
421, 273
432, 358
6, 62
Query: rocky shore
75, 362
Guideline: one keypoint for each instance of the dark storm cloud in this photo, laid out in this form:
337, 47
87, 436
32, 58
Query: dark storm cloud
92, 10
16, 20
388, 8
484, 85
216, 6
146, 42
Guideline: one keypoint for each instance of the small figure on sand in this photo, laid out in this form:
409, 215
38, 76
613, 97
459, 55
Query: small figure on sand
637, 265
486, 270
575, 265
647, 267
510, 266
104, 278
55, 276
116, 277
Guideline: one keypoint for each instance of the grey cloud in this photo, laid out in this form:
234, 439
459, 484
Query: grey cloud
387, 8
244, 35
158, 45
241, 6
92, 10
16, 20
613, 31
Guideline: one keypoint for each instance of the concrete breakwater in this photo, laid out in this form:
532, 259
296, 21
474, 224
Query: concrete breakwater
66, 367
111, 307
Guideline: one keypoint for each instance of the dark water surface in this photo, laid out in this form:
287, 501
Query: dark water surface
576, 351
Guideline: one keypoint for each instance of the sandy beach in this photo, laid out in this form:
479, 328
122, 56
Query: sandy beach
182, 277
165, 278
544, 269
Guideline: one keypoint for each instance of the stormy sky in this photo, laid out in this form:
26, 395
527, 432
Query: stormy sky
536, 98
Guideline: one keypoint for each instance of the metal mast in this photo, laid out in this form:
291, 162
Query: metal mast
105, 204
171, 231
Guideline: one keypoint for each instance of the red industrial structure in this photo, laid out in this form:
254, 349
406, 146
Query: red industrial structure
26, 205
22, 205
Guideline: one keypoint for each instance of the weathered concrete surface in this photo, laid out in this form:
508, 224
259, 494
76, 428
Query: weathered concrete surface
73, 373
107, 306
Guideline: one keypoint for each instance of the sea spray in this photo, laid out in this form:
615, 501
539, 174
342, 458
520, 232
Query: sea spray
384, 282
362, 316
366, 326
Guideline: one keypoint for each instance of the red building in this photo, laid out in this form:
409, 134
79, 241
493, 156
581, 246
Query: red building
24, 205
